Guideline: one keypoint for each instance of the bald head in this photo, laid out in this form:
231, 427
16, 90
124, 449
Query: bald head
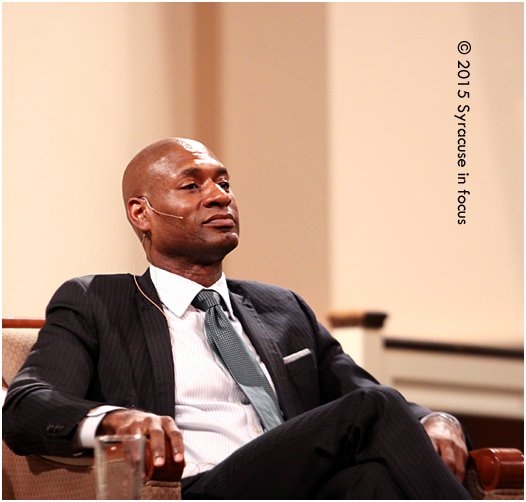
151, 165
179, 202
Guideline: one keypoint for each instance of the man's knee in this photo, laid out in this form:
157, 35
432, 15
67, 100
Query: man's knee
388, 394
381, 395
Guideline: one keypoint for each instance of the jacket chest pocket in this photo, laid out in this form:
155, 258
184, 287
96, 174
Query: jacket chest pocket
299, 362
303, 377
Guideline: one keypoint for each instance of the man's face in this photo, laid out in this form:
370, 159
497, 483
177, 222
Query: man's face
196, 186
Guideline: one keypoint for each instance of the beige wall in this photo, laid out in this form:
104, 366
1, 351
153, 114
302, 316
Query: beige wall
85, 86
336, 121
395, 241
124, 75
274, 135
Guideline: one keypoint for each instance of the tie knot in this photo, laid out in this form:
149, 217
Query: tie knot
206, 299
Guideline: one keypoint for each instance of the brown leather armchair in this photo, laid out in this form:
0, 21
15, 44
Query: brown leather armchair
492, 473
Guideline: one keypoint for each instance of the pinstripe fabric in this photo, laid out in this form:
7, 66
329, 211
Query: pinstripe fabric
304, 457
101, 344
104, 343
212, 413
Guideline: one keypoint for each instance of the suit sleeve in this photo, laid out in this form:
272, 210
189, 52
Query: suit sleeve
338, 372
46, 399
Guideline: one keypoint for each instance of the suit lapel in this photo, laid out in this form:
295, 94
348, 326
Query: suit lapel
266, 348
157, 336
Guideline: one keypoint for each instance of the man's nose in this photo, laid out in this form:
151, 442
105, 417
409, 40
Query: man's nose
217, 196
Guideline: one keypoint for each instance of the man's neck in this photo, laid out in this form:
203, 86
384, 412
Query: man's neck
206, 275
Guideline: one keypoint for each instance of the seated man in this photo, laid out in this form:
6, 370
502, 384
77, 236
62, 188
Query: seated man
252, 392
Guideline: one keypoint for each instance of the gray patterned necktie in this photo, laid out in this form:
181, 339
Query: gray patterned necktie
238, 359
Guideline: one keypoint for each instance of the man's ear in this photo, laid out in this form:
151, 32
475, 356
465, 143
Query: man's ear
138, 214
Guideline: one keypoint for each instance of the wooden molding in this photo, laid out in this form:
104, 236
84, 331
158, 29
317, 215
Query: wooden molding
452, 348
364, 319
23, 322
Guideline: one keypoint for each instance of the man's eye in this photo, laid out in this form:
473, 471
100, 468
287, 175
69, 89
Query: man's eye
225, 185
190, 186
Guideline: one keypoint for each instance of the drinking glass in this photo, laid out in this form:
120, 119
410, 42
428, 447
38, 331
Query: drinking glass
119, 464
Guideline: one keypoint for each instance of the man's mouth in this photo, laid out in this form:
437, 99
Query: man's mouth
220, 220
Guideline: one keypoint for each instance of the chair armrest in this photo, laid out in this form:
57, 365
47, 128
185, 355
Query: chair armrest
170, 471
498, 467
54, 478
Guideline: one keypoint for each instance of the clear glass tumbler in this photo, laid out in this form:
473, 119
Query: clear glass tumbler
119, 464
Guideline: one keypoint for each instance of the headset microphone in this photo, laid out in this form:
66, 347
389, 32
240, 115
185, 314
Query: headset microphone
159, 212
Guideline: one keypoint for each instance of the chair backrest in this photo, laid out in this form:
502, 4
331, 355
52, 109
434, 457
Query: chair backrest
36, 477
18, 336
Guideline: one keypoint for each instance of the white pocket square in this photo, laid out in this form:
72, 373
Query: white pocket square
292, 357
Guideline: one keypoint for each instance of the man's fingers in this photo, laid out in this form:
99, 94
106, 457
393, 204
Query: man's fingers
448, 456
156, 434
455, 461
435, 444
175, 437
446, 453
453, 455
160, 428
461, 460
448, 440
460, 472
177, 446
156, 427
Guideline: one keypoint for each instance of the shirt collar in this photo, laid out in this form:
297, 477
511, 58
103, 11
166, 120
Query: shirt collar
177, 292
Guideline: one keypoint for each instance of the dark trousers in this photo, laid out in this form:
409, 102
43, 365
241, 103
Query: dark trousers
365, 445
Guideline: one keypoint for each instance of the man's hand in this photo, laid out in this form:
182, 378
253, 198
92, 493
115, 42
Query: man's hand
146, 424
448, 439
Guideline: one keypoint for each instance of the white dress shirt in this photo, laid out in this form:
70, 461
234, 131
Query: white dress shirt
213, 414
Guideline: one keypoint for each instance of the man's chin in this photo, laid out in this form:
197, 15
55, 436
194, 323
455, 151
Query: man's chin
228, 243
216, 251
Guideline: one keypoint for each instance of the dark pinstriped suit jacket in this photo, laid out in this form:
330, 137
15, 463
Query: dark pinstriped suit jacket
104, 343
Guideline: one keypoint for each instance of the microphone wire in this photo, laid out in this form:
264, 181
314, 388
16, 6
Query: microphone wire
159, 212
143, 293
